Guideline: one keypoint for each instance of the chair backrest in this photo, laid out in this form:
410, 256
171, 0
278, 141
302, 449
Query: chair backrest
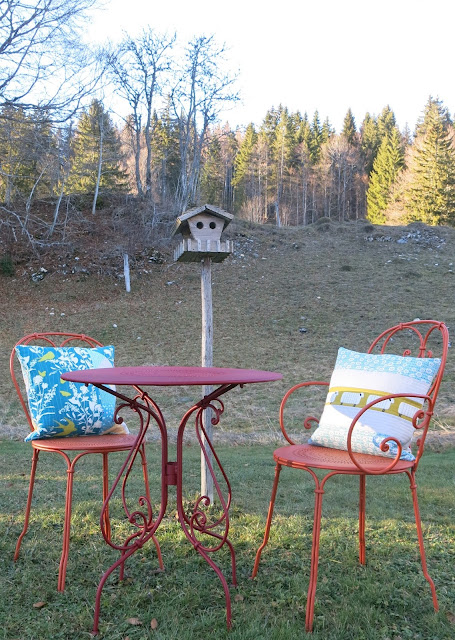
419, 339
52, 339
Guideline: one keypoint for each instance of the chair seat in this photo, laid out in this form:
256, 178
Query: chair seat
301, 456
86, 443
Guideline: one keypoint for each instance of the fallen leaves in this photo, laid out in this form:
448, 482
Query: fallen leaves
39, 605
137, 622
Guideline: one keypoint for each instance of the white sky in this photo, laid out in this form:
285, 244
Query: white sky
327, 55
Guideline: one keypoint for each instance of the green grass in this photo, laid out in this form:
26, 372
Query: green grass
387, 599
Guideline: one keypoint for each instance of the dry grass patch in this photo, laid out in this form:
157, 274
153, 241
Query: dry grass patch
286, 300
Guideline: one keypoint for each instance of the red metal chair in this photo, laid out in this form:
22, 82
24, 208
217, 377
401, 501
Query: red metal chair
417, 338
81, 446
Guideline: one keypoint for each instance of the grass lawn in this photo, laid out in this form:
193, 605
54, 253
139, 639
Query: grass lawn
387, 599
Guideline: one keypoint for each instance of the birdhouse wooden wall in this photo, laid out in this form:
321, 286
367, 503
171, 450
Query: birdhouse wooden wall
201, 229
205, 227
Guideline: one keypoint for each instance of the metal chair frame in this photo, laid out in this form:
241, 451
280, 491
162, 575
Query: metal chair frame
308, 457
65, 447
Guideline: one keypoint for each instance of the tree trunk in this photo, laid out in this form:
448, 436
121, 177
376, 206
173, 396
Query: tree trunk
137, 158
100, 166
57, 205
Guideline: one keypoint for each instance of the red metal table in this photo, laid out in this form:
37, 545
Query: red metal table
145, 523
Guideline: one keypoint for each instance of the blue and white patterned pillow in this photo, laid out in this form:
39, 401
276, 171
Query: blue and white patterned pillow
60, 408
359, 378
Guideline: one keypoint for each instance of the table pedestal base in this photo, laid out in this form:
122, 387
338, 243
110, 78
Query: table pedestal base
197, 526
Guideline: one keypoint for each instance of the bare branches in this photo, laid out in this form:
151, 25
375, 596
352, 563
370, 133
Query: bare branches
139, 68
173, 101
43, 62
201, 92
22, 226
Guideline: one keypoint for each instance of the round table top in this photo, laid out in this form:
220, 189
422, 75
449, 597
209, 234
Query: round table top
170, 376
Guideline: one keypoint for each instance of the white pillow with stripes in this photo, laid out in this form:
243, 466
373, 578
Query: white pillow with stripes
359, 378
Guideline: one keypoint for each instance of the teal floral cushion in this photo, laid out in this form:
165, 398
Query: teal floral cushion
60, 408
360, 378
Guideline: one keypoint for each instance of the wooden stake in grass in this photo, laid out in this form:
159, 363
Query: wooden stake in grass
126, 271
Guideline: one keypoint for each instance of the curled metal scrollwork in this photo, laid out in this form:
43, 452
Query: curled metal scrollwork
385, 446
423, 414
140, 518
199, 522
419, 415
307, 422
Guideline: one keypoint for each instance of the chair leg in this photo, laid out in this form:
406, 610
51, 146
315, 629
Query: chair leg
147, 493
29, 502
420, 538
107, 523
362, 501
269, 520
66, 528
318, 495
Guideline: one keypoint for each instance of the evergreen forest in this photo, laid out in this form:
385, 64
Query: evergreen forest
67, 152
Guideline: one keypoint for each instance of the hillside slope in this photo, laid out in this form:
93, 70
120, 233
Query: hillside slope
285, 300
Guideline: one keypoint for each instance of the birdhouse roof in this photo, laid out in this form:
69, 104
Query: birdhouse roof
182, 221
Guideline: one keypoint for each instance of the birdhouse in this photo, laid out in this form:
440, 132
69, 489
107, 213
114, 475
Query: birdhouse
201, 229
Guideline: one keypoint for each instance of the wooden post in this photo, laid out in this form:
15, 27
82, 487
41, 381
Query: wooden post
126, 271
207, 361
201, 229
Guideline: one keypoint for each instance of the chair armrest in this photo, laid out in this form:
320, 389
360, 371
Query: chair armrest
307, 422
423, 414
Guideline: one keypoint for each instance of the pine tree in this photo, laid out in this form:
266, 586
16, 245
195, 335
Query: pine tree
211, 182
349, 130
427, 116
166, 156
96, 148
429, 194
369, 141
266, 165
386, 122
243, 165
296, 119
386, 167
283, 154
229, 147
327, 131
26, 149
315, 139
14, 131
270, 122
304, 131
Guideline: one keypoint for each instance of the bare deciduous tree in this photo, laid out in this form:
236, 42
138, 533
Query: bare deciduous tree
43, 62
201, 91
139, 69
